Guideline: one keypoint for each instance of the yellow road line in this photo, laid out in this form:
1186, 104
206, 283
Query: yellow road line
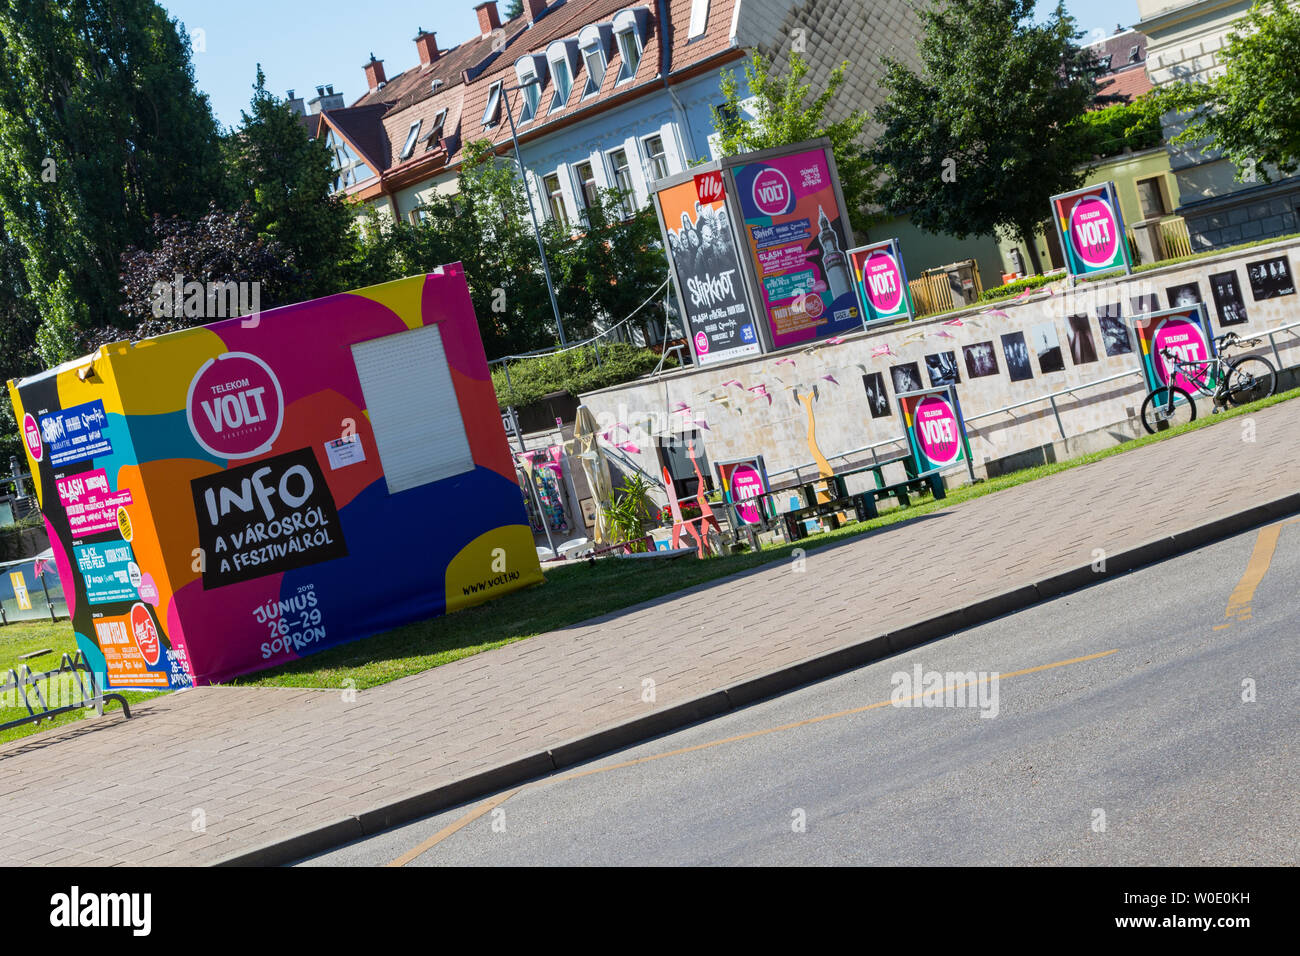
1239, 601
489, 805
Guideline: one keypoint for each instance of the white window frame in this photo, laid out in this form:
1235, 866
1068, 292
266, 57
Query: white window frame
412, 137
628, 202
562, 76
580, 191
625, 75
550, 197
432, 137
492, 112
699, 19
650, 173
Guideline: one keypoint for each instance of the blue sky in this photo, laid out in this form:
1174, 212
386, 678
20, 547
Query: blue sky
303, 44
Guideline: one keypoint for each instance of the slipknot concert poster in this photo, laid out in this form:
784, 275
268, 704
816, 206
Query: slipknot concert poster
710, 285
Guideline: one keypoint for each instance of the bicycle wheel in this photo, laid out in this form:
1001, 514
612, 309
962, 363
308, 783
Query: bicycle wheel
1159, 415
1249, 379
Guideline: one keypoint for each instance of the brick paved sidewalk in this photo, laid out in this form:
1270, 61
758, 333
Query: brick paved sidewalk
263, 764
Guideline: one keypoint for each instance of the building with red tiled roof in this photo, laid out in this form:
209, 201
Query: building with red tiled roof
1123, 59
623, 95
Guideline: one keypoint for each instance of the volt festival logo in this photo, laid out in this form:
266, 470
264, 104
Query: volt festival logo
1094, 231
937, 430
771, 192
235, 406
884, 283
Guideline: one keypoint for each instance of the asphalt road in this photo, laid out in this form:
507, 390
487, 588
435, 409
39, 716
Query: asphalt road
1147, 754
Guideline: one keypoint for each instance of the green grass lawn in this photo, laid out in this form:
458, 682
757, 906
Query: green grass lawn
574, 593
18, 639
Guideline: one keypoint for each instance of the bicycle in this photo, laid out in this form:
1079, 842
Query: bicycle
1238, 381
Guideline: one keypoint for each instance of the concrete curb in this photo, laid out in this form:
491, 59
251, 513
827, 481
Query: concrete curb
716, 703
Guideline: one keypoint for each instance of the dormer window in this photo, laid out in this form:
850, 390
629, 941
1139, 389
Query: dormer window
593, 44
1135, 54
561, 57
411, 136
531, 73
629, 32
492, 113
629, 46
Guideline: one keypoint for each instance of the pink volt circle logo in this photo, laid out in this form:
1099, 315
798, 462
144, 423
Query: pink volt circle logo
772, 193
1094, 231
884, 282
701, 343
32, 437
937, 430
235, 406
1186, 341
746, 485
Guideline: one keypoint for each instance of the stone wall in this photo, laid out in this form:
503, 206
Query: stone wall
750, 406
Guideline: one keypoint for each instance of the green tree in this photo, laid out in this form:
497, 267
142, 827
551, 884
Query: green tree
990, 129
18, 322
287, 180
784, 114
101, 127
514, 8
603, 268
1252, 110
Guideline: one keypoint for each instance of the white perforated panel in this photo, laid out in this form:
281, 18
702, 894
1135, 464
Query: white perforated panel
413, 408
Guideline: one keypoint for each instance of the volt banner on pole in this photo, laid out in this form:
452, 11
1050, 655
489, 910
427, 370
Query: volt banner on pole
742, 481
1090, 226
1185, 332
935, 429
881, 282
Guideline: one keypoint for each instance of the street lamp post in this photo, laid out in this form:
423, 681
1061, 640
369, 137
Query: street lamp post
528, 194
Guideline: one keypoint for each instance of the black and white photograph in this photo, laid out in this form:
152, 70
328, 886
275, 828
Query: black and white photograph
942, 367
1017, 353
1184, 295
1270, 278
1116, 338
1079, 336
877, 397
1047, 345
1148, 302
907, 378
981, 360
1228, 300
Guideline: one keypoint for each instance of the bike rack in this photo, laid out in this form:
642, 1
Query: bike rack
89, 693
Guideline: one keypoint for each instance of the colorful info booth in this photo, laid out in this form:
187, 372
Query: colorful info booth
232, 497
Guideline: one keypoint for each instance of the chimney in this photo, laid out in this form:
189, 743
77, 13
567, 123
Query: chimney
488, 18
375, 73
426, 44
534, 9
297, 104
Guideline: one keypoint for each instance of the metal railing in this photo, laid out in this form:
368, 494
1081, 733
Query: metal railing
1175, 238
1050, 397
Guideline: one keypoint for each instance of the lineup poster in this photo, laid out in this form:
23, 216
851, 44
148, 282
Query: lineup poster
935, 428
1090, 226
743, 480
710, 287
797, 238
216, 499
881, 282
1185, 332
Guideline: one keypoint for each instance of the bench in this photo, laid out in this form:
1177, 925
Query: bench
863, 504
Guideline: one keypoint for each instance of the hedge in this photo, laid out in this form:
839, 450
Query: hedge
573, 371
